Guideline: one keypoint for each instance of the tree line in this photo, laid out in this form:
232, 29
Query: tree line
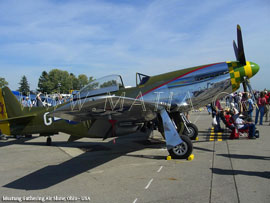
53, 81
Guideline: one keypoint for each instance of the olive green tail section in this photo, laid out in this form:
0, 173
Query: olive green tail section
12, 105
5, 126
18, 120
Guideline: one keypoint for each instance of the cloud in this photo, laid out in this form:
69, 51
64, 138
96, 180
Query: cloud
105, 37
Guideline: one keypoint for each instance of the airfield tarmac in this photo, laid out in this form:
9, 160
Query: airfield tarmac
134, 169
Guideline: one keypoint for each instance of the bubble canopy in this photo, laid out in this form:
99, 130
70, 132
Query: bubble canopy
101, 86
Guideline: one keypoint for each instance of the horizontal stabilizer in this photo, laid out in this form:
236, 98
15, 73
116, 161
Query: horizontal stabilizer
18, 119
73, 138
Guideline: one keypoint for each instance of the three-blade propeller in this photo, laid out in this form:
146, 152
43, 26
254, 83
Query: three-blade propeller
240, 56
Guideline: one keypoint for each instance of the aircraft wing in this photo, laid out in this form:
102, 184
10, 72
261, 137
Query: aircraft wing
18, 119
108, 107
120, 109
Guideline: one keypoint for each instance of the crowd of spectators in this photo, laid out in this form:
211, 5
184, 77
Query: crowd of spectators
42, 101
238, 111
245, 103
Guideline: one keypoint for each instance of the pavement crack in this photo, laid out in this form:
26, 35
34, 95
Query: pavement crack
233, 172
212, 174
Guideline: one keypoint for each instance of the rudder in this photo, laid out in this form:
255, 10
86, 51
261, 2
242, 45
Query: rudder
5, 128
11, 103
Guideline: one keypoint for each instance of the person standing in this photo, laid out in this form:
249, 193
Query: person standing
23, 102
217, 111
209, 109
260, 110
39, 101
236, 101
266, 109
28, 102
250, 106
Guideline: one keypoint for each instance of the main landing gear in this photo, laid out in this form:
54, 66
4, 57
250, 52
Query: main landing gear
179, 146
183, 150
184, 126
191, 131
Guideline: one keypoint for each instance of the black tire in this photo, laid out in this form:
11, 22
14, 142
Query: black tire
182, 151
257, 133
193, 131
49, 141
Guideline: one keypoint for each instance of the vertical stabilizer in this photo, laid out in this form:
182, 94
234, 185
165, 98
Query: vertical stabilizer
5, 128
12, 105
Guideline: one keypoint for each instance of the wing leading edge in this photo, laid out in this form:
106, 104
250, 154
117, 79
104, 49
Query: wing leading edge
108, 107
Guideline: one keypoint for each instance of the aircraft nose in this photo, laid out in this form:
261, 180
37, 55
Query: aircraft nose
238, 72
255, 68
250, 69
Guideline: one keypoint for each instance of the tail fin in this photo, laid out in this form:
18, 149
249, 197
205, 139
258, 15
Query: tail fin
5, 128
12, 106
12, 112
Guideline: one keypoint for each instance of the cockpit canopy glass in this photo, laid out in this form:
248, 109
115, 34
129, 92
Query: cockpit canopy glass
110, 83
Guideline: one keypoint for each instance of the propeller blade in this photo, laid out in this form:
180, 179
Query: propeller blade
241, 53
235, 50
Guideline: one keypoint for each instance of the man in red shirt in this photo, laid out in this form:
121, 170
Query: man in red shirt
260, 110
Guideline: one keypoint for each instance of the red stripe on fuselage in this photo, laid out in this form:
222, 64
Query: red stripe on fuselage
178, 78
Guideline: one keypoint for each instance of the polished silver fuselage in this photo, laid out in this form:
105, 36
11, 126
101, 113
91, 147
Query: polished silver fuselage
195, 89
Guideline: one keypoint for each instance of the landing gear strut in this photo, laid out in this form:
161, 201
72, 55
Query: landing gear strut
191, 131
179, 147
184, 126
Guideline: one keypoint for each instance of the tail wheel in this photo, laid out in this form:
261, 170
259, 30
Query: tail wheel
183, 150
49, 141
193, 131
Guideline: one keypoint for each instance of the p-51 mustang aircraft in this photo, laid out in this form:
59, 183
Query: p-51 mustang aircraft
106, 108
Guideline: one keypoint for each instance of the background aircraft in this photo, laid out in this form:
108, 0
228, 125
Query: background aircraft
106, 108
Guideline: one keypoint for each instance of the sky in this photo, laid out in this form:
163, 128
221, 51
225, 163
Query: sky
103, 37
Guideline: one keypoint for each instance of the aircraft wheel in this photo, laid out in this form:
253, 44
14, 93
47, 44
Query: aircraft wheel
193, 131
183, 150
49, 141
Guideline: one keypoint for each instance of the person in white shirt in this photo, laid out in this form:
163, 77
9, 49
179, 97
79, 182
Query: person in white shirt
243, 125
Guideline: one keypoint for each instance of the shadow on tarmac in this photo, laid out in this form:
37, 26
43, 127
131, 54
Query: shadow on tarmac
203, 149
239, 156
265, 174
54, 174
16, 141
148, 156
